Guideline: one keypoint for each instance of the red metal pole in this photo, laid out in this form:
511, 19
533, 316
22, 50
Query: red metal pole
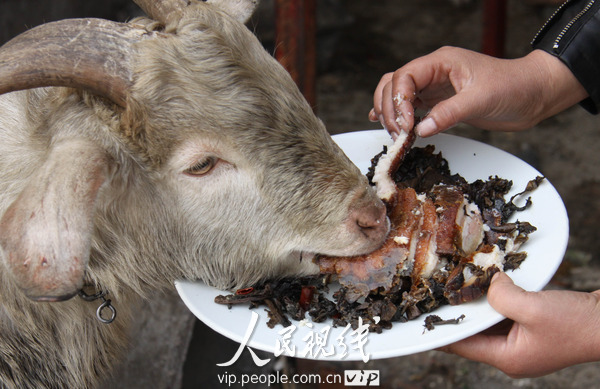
494, 27
295, 42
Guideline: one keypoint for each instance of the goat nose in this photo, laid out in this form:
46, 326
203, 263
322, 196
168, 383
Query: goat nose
372, 220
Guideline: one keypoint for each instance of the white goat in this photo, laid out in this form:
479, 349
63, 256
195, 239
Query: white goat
136, 154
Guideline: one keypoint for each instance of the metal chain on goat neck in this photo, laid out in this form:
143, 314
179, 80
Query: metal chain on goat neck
106, 304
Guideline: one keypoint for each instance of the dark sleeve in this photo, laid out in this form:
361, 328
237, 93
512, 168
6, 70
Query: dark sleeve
573, 35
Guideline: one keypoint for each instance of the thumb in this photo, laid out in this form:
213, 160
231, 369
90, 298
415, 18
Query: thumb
507, 298
448, 113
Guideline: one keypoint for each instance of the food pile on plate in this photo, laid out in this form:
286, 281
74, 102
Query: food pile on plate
448, 238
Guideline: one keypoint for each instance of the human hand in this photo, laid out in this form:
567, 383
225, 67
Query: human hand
460, 85
551, 330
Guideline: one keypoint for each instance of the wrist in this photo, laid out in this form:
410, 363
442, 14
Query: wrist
595, 341
558, 88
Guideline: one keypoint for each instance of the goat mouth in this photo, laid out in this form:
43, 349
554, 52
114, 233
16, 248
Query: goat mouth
307, 256
53, 299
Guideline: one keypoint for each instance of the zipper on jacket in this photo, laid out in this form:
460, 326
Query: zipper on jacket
568, 26
550, 20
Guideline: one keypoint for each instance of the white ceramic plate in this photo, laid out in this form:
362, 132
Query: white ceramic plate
472, 160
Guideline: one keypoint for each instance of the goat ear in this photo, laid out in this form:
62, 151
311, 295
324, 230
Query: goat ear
242, 10
46, 232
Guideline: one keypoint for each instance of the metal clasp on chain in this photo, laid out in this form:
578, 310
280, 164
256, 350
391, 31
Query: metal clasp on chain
106, 304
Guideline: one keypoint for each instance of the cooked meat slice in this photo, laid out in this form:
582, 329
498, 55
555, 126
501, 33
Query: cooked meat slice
426, 258
448, 201
388, 164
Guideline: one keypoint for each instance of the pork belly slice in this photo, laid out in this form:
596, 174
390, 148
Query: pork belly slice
426, 257
419, 226
361, 275
409, 250
406, 219
461, 227
448, 202
388, 163
379, 269
471, 227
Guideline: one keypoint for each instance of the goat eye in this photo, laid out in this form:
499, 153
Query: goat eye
202, 167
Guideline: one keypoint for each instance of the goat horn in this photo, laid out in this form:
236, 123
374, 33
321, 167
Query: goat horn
160, 10
90, 54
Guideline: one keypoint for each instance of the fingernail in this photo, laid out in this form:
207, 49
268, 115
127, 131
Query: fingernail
372, 116
392, 131
495, 277
427, 127
382, 121
401, 121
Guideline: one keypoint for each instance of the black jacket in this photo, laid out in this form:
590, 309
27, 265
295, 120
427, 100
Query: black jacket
573, 35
